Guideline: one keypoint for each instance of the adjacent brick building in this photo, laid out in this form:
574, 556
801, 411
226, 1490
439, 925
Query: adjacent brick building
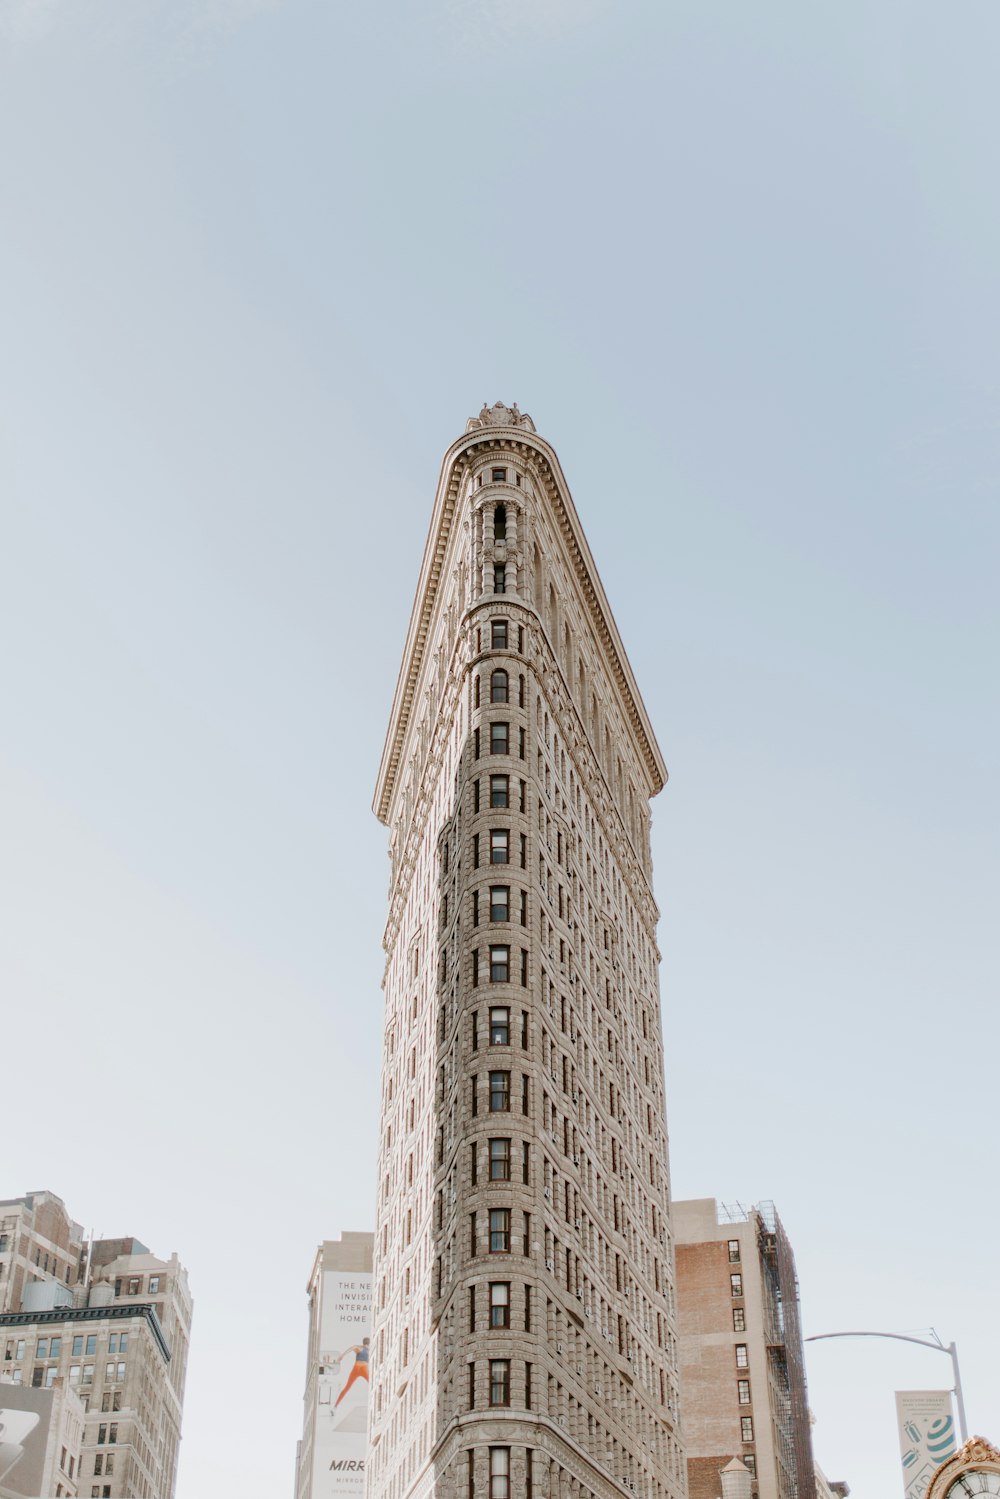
742, 1367
523, 1328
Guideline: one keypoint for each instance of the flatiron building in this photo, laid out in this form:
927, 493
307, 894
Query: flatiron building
524, 1337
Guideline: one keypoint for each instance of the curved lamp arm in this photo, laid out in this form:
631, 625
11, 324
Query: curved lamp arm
901, 1337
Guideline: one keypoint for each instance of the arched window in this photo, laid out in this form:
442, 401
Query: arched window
500, 523
498, 687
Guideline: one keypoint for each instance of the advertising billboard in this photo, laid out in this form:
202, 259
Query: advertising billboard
927, 1436
341, 1436
25, 1418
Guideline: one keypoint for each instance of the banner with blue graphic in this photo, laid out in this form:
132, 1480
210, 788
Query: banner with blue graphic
927, 1436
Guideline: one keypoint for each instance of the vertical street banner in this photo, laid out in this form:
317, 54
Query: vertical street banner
341, 1438
927, 1436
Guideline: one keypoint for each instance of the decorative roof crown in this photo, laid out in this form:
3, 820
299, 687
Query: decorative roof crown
500, 415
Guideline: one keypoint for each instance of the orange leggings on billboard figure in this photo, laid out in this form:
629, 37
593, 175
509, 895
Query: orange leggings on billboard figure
359, 1369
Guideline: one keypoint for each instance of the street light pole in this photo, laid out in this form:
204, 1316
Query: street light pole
900, 1337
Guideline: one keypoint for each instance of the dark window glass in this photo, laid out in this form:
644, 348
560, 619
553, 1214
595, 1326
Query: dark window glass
498, 634
499, 738
499, 1026
499, 791
500, 967
499, 1160
499, 902
499, 846
499, 1230
499, 1092
498, 687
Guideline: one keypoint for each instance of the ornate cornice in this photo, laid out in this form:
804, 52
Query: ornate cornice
505, 427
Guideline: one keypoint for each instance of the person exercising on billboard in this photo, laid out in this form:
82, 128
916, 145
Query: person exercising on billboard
359, 1369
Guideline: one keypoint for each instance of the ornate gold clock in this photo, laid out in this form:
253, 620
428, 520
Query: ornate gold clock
974, 1469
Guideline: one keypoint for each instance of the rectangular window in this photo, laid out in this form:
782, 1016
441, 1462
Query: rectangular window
88, 1374
527, 1308
524, 908
499, 846
523, 795
475, 850
99, 1463
499, 476
499, 1473
499, 1160
77, 1346
74, 1373
500, 1303
37, 1375
499, 965
475, 907
475, 968
474, 1096
524, 850
520, 744
473, 1162
743, 1391
499, 1026
154, 1280
472, 1387
50, 1375
55, 1347
525, 1162
742, 1361
734, 1251
498, 634
42, 1351
525, 1084
499, 1230
113, 1432
102, 1434
472, 1233
499, 1092
499, 791
499, 1381
20, 1348
475, 744
524, 968
499, 902
524, 1030
739, 1319
499, 738
499, 577
746, 1428
736, 1285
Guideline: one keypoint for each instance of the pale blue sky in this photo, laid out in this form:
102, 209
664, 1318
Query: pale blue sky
259, 263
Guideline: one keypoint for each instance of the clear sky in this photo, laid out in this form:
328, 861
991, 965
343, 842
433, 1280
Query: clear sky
259, 261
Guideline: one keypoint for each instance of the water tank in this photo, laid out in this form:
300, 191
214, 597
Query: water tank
102, 1293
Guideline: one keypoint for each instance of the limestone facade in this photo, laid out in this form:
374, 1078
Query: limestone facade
114, 1329
524, 1334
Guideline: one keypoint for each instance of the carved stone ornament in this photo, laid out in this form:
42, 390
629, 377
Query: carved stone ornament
500, 415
